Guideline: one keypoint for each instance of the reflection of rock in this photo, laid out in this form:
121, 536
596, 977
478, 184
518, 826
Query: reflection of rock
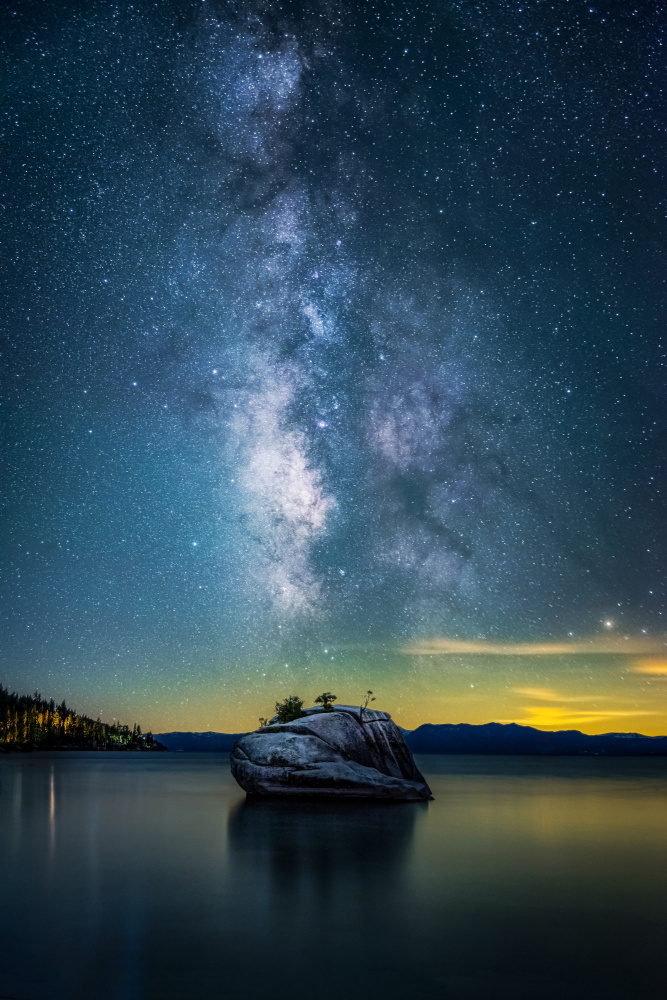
319, 884
321, 842
322, 884
329, 753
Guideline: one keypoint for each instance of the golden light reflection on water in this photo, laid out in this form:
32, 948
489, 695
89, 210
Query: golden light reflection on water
542, 833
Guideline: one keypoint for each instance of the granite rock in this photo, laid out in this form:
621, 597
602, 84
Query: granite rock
329, 753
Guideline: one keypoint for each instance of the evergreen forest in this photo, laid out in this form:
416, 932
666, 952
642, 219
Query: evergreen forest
29, 722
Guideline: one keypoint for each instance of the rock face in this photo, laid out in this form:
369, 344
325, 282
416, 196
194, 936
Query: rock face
329, 753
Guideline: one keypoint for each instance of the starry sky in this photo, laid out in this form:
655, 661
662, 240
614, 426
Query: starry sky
334, 359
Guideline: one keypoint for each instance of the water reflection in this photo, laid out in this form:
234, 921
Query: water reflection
52, 814
318, 877
317, 847
155, 879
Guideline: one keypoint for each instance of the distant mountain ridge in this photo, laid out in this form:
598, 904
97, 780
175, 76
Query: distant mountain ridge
199, 742
494, 737
491, 738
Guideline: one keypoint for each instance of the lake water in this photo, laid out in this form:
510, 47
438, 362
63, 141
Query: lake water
127, 876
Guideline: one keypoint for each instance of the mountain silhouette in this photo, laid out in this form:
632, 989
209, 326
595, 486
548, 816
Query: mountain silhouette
491, 738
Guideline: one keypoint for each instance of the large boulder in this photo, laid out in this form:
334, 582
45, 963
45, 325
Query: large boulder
334, 753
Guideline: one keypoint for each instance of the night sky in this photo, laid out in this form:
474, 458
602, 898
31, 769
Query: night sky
334, 359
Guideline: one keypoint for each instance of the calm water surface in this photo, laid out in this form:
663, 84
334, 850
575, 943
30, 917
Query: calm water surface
126, 876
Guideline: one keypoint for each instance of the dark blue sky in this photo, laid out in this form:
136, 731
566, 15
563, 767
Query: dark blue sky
327, 325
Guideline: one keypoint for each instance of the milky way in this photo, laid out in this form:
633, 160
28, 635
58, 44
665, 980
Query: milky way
328, 326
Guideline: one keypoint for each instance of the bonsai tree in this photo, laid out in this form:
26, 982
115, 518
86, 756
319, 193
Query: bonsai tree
326, 700
289, 709
368, 697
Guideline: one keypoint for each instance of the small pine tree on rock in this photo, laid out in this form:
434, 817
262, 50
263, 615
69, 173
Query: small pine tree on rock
326, 700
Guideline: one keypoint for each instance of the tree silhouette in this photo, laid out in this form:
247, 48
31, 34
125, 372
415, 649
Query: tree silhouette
289, 709
364, 705
326, 700
32, 723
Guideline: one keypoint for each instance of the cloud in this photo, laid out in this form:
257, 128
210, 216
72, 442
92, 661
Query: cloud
595, 645
548, 694
656, 668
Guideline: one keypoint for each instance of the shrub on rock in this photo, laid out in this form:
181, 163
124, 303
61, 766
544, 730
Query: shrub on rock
289, 709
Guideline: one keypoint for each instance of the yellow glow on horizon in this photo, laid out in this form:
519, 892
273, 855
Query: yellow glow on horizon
602, 685
656, 668
551, 717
